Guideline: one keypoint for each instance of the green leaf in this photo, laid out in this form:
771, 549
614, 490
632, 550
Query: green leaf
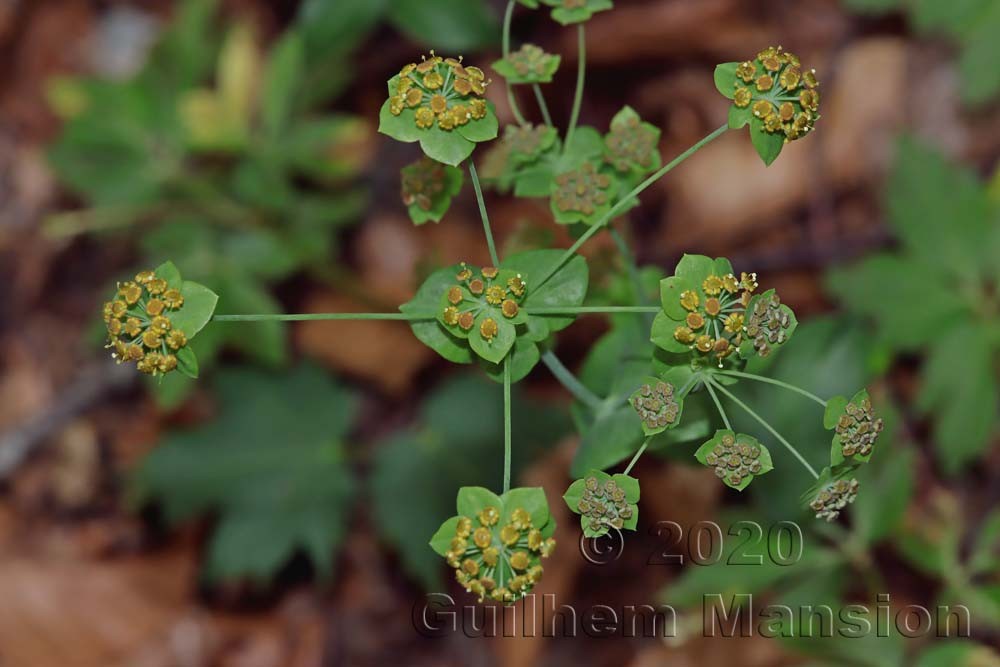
940, 210
281, 82
441, 541
187, 362
429, 331
447, 147
484, 129
523, 357
985, 556
271, 467
199, 305
495, 349
960, 393
834, 408
452, 25
725, 79
567, 287
768, 145
531, 499
402, 127
611, 439
168, 271
738, 117
911, 307
473, 499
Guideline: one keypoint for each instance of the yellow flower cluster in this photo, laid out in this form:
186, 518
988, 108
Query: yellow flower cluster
498, 562
139, 326
716, 314
474, 293
440, 90
778, 92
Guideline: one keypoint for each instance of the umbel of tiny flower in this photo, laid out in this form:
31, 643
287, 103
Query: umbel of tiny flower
704, 318
151, 319
529, 64
658, 404
496, 543
427, 188
855, 428
581, 195
736, 457
768, 325
441, 103
604, 502
568, 12
484, 306
774, 94
835, 489
631, 146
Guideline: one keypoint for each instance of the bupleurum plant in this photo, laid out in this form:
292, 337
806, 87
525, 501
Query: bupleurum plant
711, 328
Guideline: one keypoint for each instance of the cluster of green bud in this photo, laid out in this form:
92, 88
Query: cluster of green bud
734, 461
858, 429
631, 142
422, 182
500, 562
583, 190
834, 497
768, 324
531, 61
604, 505
527, 141
657, 406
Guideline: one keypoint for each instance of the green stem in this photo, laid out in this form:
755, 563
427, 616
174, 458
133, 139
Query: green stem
512, 100
305, 317
581, 75
718, 405
543, 107
579, 310
482, 213
779, 383
624, 202
635, 459
630, 265
506, 424
570, 381
812, 471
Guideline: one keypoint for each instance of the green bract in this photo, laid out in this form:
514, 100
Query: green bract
519, 151
440, 103
567, 12
529, 64
486, 313
737, 458
774, 95
427, 189
151, 320
604, 502
631, 146
495, 544
855, 428
702, 321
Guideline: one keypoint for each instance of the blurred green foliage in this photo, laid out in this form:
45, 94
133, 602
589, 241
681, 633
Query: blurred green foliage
939, 295
972, 24
210, 155
455, 442
271, 467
